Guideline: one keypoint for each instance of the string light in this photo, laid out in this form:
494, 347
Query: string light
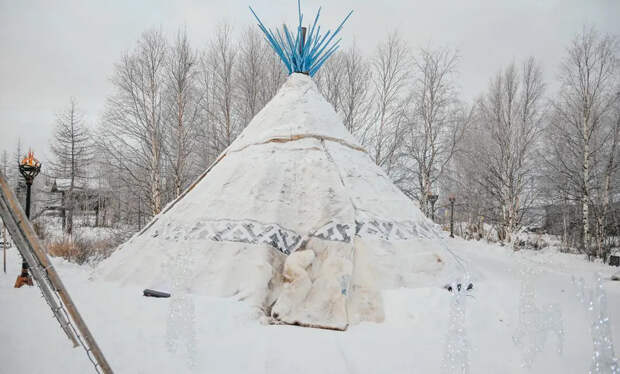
594, 300
535, 323
181, 329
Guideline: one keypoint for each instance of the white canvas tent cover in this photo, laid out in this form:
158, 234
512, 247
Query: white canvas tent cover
293, 217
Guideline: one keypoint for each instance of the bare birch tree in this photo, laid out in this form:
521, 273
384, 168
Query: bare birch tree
251, 75
356, 98
390, 76
508, 129
184, 111
219, 64
584, 136
345, 82
237, 79
132, 129
274, 74
436, 121
329, 80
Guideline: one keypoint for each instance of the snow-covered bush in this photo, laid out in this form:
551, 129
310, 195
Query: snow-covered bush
530, 240
86, 245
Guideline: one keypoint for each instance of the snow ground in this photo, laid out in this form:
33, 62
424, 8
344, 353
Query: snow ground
221, 335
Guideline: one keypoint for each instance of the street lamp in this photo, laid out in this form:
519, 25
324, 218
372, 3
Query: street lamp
432, 198
29, 168
452, 199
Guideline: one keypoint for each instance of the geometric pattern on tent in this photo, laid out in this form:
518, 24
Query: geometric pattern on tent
287, 241
387, 230
247, 231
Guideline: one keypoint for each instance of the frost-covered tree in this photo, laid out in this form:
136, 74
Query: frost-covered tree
583, 131
435, 122
183, 111
356, 99
17, 156
4, 163
345, 82
258, 75
132, 131
391, 67
219, 66
73, 151
249, 74
330, 80
505, 137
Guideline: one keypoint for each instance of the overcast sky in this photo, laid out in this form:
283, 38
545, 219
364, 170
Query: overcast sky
54, 50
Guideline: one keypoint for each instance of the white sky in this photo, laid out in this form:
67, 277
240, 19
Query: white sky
53, 50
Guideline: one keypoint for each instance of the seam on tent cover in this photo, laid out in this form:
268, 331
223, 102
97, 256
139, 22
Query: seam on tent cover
292, 138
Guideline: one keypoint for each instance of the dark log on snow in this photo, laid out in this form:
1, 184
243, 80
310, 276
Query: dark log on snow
153, 293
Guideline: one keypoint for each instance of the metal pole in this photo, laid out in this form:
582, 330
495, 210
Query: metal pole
452, 218
24, 273
28, 190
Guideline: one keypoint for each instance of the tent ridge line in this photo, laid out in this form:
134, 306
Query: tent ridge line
292, 138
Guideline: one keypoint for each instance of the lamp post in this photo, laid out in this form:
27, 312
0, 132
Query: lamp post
432, 198
452, 198
29, 168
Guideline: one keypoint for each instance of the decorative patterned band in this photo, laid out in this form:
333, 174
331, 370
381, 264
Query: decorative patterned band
287, 241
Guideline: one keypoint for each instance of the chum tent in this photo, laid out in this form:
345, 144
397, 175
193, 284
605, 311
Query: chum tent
293, 217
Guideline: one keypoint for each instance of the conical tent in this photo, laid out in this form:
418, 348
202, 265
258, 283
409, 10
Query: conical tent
293, 217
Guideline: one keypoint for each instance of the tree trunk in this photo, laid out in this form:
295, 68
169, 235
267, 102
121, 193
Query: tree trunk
586, 174
155, 183
69, 212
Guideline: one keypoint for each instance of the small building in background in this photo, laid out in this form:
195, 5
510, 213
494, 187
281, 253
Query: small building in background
90, 200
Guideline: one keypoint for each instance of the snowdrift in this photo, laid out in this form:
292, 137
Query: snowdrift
293, 217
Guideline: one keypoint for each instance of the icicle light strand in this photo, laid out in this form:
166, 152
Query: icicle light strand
594, 300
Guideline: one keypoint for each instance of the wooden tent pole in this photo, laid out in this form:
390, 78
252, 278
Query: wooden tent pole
31, 249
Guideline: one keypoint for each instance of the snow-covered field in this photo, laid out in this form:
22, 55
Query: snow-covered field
216, 335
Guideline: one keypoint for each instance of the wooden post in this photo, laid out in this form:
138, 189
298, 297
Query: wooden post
32, 251
302, 42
